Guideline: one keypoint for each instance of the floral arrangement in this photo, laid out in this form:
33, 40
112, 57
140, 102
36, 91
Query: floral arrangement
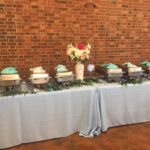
79, 53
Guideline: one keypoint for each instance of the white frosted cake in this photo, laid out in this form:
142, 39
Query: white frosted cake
134, 69
37, 76
114, 70
37, 70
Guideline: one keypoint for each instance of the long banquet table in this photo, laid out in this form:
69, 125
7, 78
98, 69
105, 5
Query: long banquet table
88, 110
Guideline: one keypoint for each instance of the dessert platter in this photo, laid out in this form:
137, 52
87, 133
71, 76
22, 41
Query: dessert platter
9, 78
63, 75
111, 72
132, 70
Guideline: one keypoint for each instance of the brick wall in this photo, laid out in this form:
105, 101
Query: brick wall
36, 32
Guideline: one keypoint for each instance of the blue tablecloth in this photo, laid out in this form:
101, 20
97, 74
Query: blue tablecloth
87, 110
45, 116
121, 105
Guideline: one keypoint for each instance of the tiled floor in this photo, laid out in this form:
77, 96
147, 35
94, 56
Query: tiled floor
129, 137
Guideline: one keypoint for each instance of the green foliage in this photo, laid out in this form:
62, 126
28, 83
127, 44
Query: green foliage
14, 92
76, 83
130, 81
54, 87
91, 80
86, 81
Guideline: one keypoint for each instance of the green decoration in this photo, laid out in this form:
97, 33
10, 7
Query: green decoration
15, 92
130, 81
110, 66
146, 63
76, 83
129, 65
61, 68
9, 70
55, 86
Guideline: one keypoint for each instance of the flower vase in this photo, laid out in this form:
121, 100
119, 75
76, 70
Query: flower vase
79, 71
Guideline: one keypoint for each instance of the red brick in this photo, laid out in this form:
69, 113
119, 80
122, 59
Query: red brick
34, 33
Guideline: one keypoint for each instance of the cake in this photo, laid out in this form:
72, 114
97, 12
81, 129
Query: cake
39, 76
135, 69
37, 70
9, 77
62, 74
114, 70
145, 65
131, 67
109, 69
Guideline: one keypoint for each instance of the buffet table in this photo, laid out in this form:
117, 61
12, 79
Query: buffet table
87, 110
37, 117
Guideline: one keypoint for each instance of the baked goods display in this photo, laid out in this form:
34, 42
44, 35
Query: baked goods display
62, 74
132, 70
131, 67
40, 79
9, 77
38, 76
110, 71
145, 65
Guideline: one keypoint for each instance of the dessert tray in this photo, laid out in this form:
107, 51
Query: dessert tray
39, 76
111, 72
132, 71
9, 78
146, 67
63, 75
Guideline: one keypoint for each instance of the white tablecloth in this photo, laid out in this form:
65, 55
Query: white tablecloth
120, 105
45, 116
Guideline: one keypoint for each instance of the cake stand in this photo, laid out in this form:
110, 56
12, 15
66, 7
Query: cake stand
9, 84
39, 82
